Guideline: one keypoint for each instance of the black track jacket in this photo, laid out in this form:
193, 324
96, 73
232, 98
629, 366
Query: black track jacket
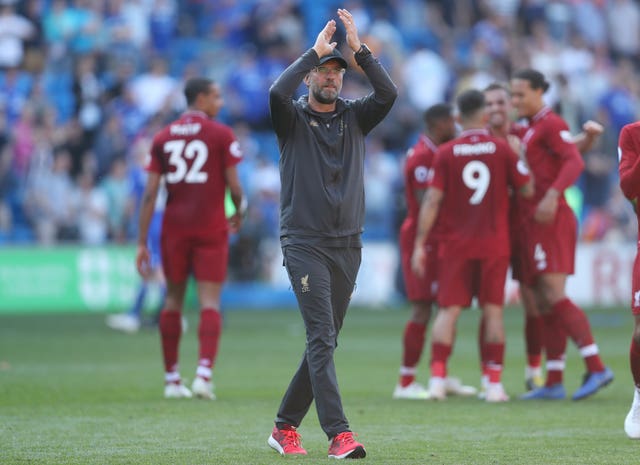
322, 155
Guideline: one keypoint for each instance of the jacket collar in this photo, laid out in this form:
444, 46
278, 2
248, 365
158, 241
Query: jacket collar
340, 106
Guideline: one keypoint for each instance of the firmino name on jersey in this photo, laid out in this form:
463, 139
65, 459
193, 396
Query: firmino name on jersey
465, 150
185, 129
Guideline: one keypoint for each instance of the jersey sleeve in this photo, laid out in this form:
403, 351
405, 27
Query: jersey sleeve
629, 162
438, 174
561, 143
232, 153
418, 170
154, 162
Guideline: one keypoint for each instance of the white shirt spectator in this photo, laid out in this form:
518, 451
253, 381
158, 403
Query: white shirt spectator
14, 29
623, 17
422, 91
155, 90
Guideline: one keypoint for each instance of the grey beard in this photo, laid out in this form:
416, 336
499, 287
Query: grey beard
322, 99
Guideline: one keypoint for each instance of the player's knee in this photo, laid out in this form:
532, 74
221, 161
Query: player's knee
421, 312
636, 332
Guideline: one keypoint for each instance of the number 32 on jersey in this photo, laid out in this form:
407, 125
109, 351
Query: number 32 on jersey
180, 151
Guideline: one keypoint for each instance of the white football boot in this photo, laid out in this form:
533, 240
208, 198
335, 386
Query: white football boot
455, 387
413, 391
123, 322
632, 422
438, 388
495, 393
202, 389
177, 391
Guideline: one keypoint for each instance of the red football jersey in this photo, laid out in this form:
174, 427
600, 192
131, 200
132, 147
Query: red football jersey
417, 172
193, 153
475, 172
629, 162
552, 156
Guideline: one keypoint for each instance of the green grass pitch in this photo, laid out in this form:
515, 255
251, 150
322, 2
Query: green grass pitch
74, 392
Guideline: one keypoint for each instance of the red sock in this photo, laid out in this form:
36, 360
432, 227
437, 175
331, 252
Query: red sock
482, 347
533, 327
208, 336
634, 359
170, 325
555, 342
576, 325
495, 359
439, 355
413, 344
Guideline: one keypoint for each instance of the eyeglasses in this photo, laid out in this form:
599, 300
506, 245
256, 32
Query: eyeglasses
324, 70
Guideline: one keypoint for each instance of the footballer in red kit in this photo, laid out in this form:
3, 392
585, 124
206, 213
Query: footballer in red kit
469, 191
197, 158
474, 217
629, 169
192, 153
556, 164
551, 234
501, 124
416, 177
421, 290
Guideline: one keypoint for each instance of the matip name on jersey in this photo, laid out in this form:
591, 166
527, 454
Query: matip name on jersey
185, 129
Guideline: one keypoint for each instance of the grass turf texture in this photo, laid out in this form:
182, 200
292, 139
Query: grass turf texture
74, 392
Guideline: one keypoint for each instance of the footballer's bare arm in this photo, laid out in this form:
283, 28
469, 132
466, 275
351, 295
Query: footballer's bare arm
428, 213
143, 258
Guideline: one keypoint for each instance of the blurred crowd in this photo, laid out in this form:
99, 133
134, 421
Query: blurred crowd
85, 84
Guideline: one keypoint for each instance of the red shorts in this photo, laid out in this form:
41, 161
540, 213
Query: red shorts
635, 287
461, 279
550, 248
418, 289
206, 257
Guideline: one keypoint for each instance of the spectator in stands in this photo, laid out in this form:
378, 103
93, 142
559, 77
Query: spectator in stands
16, 29
51, 200
110, 143
163, 24
92, 204
15, 86
86, 23
154, 91
34, 45
623, 18
58, 28
87, 92
7, 188
117, 189
247, 91
23, 141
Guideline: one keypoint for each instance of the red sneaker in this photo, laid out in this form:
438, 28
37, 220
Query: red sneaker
343, 446
286, 441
